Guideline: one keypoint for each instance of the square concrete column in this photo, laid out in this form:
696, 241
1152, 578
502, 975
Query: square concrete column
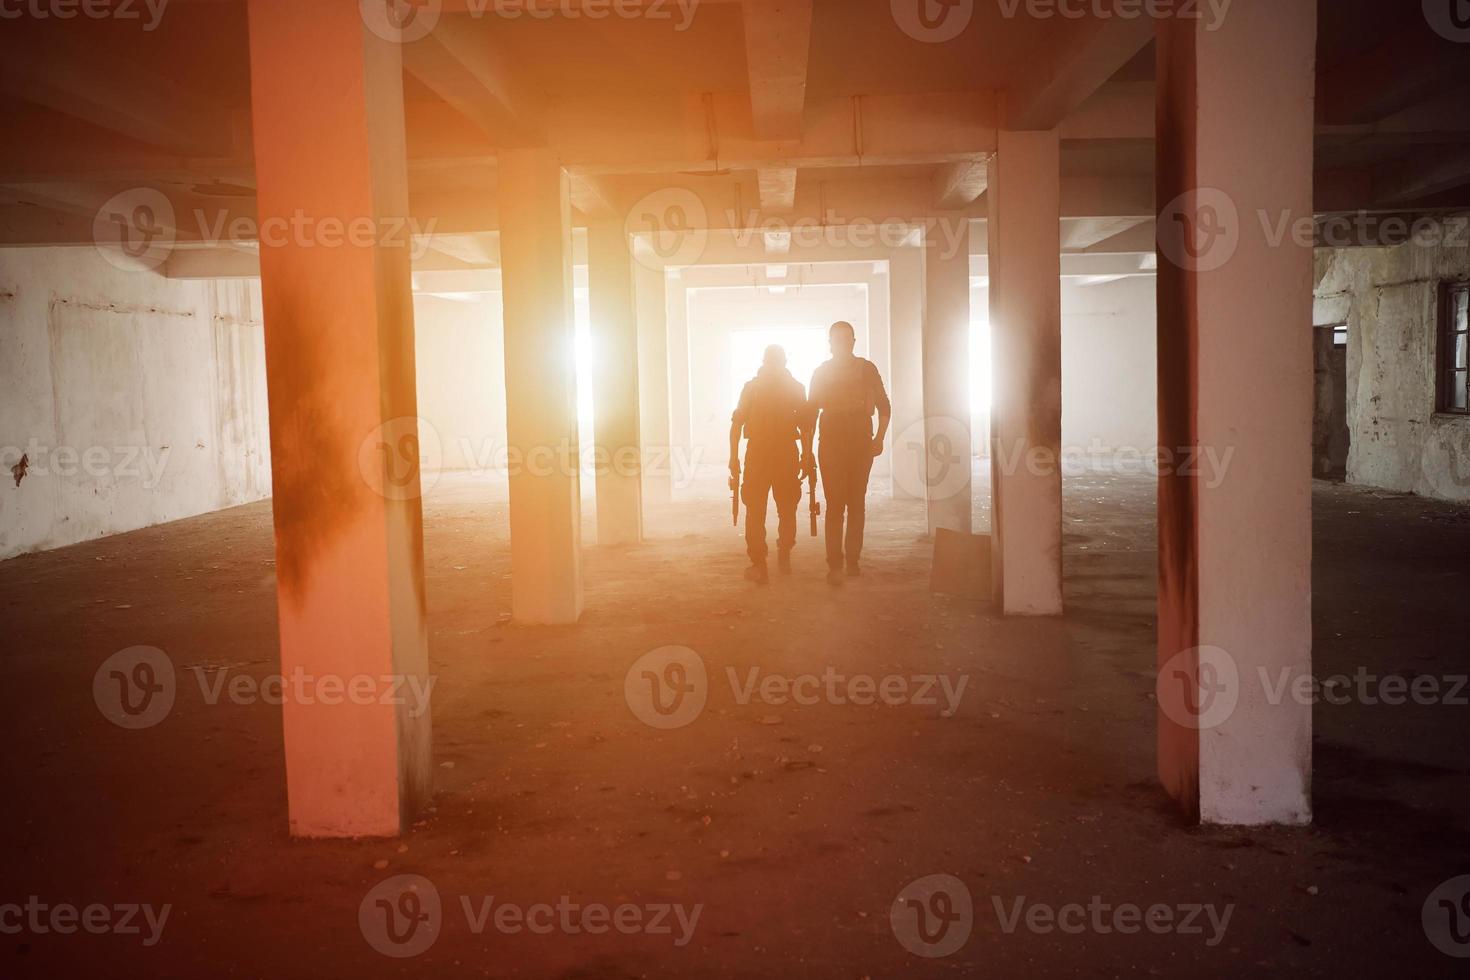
948, 446
906, 386
344, 438
1235, 131
653, 381
880, 352
615, 385
540, 388
681, 410
1026, 373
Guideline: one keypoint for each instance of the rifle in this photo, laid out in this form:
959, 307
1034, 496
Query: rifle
813, 507
735, 499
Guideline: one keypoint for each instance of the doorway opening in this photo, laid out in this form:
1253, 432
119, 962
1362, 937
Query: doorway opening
1331, 438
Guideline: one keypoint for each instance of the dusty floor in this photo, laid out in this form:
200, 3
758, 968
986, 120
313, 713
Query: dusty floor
793, 827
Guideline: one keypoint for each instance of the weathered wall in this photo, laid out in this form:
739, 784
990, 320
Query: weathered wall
138, 399
1389, 297
134, 398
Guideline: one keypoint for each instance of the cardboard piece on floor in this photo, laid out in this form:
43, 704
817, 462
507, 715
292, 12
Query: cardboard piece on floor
961, 564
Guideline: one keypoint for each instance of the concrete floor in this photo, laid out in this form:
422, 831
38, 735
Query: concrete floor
794, 827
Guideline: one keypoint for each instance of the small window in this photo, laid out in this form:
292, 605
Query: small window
1339, 336
1454, 339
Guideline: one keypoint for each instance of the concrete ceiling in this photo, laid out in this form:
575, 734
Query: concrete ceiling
815, 108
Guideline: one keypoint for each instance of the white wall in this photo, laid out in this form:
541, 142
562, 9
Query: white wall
460, 350
1389, 299
153, 390
136, 399
1110, 365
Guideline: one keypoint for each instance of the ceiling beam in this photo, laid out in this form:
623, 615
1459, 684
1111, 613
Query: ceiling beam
1408, 67
960, 184
591, 196
1082, 61
1083, 233
116, 95
888, 130
461, 61
777, 189
1424, 176
778, 40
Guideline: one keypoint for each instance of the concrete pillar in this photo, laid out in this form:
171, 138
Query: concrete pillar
906, 386
1235, 383
1026, 373
615, 385
880, 347
681, 411
948, 447
653, 381
344, 451
540, 388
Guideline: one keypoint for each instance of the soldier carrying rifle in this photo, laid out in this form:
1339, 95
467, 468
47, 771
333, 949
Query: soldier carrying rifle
772, 417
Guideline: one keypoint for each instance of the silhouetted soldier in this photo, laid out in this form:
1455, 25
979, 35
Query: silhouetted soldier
846, 391
771, 415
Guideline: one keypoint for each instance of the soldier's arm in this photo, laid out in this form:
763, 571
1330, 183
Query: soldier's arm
885, 408
805, 423
737, 425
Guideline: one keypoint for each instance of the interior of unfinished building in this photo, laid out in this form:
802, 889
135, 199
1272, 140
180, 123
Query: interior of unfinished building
735, 488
